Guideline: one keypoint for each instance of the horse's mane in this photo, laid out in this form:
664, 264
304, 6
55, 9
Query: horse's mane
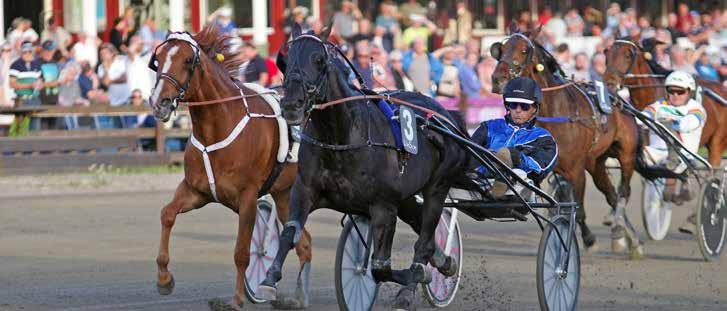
211, 42
549, 60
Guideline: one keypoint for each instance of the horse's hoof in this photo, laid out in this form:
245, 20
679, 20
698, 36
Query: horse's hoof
590, 250
449, 268
637, 252
421, 274
607, 220
288, 303
404, 300
218, 304
265, 292
589, 240
166, 289
618, 245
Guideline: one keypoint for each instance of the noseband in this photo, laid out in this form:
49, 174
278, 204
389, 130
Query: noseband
181, 87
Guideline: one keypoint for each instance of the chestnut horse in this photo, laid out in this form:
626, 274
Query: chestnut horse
627, 65
583, 142
191, 68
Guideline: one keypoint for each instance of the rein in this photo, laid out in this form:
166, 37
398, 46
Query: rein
429, 112
226, 99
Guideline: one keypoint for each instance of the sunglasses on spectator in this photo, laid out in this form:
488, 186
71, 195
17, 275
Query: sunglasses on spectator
514, 105
676, 91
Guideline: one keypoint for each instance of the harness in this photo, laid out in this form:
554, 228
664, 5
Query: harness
585, 121
313, 94
182, 89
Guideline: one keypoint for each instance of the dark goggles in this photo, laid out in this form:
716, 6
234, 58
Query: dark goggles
676, 91
514, 105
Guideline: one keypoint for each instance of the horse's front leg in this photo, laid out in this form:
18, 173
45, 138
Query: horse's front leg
304, 250
434, 195
383, 228
246, 211
185, 199
300, 206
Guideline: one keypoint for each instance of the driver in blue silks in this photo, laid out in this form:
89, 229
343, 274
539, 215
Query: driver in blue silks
528, 149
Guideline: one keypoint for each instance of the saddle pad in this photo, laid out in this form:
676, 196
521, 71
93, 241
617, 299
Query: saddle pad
389, 111
285, 149
593, 90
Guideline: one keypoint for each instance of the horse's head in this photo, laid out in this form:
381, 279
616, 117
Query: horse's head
305, 66
175, 62
621, 58
515, 56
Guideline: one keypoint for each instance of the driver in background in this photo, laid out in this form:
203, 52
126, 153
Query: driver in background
528, 149
685, 117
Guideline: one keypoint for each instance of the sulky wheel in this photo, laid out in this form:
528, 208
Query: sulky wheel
711, 221
561, 190
356, 289
441, 290
557, 287
263, 246
655, 213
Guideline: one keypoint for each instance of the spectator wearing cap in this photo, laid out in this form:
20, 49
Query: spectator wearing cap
223, 18
25, 78
57, 34
256, 70
420, 27
112, 73
344, 19
705, 69
680, 62
50, 72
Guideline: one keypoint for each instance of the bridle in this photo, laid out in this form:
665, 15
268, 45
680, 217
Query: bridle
515, 68
181, 87
312, 92
634, 50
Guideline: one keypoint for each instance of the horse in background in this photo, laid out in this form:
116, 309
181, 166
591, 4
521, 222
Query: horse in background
584, 142
191, 68
629, 65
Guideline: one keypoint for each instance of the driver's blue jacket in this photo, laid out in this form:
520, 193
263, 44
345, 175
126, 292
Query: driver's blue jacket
532, 148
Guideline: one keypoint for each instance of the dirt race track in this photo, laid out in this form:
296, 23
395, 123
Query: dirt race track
88, 242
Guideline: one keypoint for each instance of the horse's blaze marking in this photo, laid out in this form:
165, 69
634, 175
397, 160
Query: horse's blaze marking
160, 82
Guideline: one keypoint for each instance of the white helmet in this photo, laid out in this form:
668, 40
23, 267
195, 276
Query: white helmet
681, 79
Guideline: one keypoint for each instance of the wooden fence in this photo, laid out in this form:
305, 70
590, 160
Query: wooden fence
50, 151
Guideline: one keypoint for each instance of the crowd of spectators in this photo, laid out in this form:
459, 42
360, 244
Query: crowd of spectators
406, 46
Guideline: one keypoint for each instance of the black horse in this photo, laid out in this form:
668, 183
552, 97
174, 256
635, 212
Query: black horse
348, 163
